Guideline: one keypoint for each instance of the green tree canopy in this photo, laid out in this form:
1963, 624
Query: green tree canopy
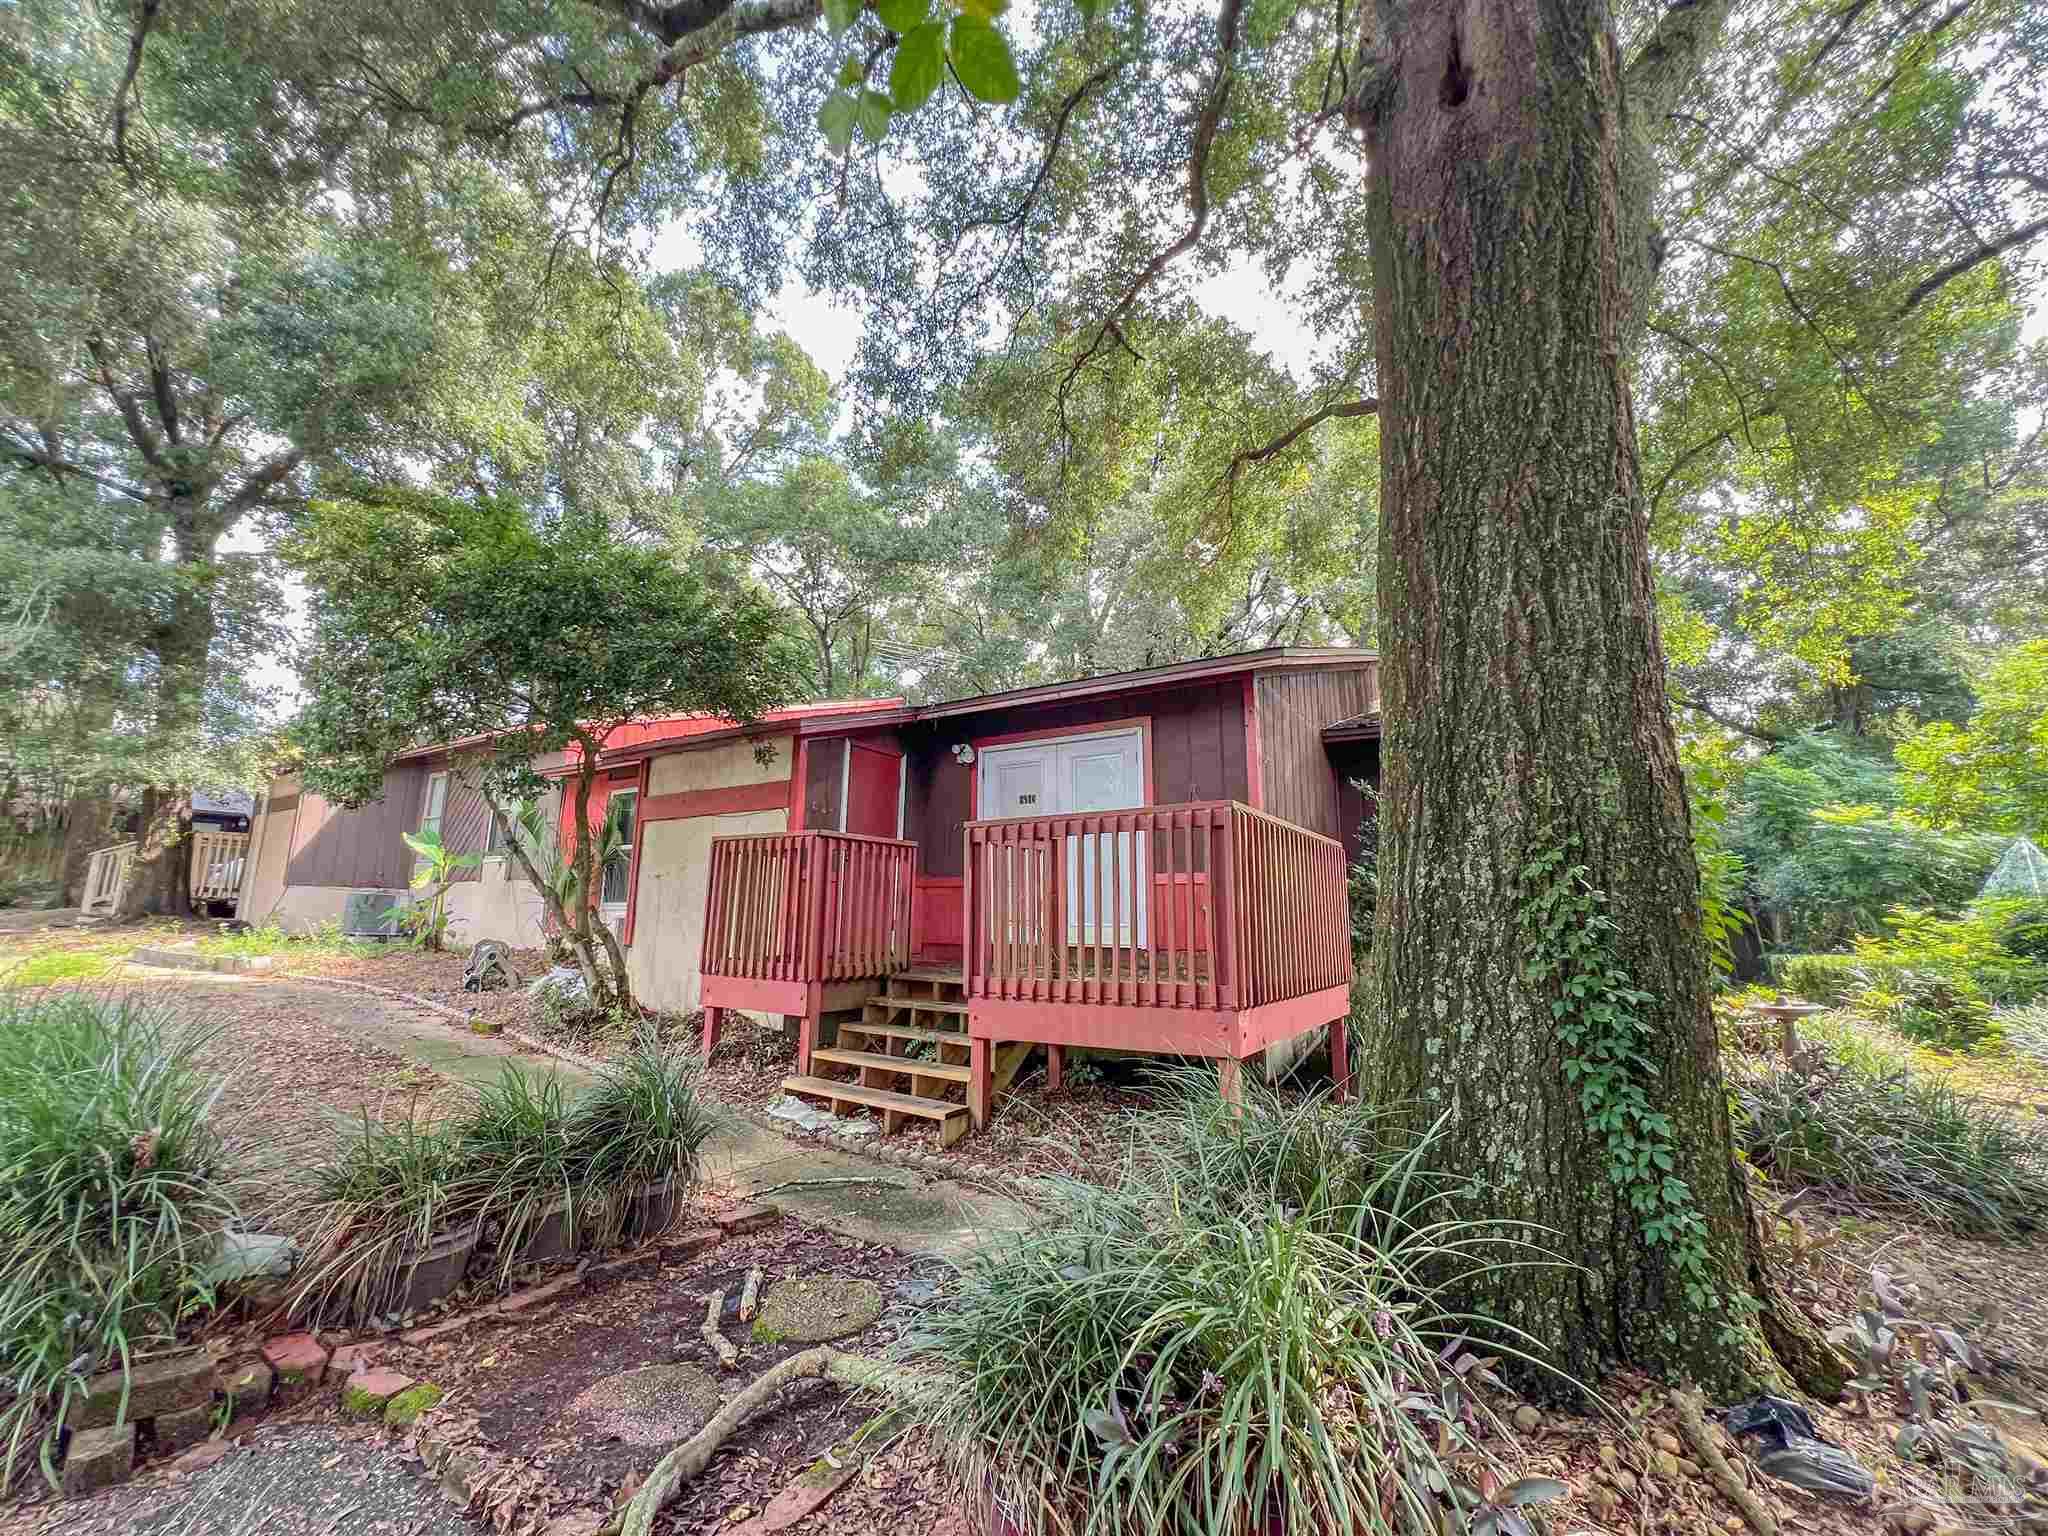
440, 619
1990, 775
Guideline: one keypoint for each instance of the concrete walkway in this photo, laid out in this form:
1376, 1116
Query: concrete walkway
896, 1206
809, 1180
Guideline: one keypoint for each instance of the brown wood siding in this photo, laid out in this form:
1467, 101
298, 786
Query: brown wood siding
1294, 766
1197, 741
824, 771
465, 822
359, 849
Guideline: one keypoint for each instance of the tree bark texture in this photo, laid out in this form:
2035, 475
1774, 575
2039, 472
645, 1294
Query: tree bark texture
87, 818
183, 647
1523, 674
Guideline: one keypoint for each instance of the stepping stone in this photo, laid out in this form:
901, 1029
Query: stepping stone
815, 1309
657, 1405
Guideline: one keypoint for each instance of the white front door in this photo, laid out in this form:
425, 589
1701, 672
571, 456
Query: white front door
1069, 776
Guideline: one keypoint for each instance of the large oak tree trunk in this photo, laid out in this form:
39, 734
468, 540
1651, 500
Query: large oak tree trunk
1523, 674
184, 648
87, 818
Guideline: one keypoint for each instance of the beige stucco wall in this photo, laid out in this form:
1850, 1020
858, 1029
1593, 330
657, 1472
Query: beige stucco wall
675, 866
303, 908
721, 767
270, 842
498, 904
668, 920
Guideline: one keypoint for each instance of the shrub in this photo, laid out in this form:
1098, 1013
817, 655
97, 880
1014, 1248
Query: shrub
1830, 979
2023, 933
113, 1195
1936, 979
389, 1193
1944, 1011
499, 1169
1241, 1332
1858, 1121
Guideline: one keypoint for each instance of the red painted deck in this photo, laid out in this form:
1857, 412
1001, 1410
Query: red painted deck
1207, 929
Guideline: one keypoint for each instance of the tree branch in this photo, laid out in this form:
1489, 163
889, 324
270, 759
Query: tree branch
1754, 732
263, 481
1671, 57
1935, 281
143, 22
1206, 126
146, 442
1280, 444
43, 458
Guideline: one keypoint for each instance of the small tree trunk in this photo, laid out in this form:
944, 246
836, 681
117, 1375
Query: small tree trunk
86, 831
160, 881
1523, 683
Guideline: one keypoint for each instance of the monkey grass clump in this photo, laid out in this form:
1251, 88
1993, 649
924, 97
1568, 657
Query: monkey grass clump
1241, 1332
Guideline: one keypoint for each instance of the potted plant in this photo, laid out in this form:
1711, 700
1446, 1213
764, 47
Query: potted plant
392, 1231
518, 1173
638, 1138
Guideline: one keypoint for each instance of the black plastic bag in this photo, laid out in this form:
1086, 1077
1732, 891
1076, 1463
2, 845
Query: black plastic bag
1791, 1449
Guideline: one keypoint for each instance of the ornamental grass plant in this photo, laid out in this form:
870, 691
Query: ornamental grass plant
520, 1150
1241, 1330
114, 1195
1858, 1123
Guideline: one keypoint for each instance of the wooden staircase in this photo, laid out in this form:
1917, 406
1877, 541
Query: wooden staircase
907, 1056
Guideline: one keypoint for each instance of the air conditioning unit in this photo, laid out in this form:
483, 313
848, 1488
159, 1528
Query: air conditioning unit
372, 914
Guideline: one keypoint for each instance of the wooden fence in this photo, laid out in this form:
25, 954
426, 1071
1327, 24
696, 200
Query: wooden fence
808, 906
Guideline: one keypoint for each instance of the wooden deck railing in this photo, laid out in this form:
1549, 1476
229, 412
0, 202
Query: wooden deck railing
808, 906
105, 873
217, 864
1207, 905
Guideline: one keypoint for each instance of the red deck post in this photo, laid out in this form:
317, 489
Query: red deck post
714, 1022
1055, 1068
1340, 1057
981, 1088
1230, 1079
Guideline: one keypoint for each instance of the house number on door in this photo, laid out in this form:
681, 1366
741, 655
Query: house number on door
1027, 799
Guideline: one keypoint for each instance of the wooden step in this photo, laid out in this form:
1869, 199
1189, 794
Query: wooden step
904, 1032
910, 1066
928, 1004
928, 973
895, 1107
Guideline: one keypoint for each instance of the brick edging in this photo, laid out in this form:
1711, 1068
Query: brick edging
917, 1162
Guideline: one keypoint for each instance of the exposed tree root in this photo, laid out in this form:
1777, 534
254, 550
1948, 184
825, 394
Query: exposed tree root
1693, 1425
689, 1459
714, 1308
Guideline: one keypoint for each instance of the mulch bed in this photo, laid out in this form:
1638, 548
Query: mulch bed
510, 1386
435, 977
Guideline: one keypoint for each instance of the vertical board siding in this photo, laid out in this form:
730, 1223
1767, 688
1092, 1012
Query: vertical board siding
1300, 782
465, 822
1354, 761
1197, 745
360, 849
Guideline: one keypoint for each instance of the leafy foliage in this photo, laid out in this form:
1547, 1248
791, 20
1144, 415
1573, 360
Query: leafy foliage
1991, 774
1239, 1326
1601, 1018
438, 619
114, 1196
1854, 1120
434, 870
1817, 824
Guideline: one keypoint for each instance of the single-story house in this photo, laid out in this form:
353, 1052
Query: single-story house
1151, 860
